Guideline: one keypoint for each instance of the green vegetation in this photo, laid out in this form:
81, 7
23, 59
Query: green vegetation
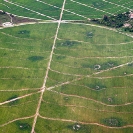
13, 102
23, 126
65, 127
15, 126
113, 122
68, 43
114, 21
79, 128
7, 17
24, 56
24, 33
32, 9
117, 21
89, 61
82, 68
4, 18
36, 58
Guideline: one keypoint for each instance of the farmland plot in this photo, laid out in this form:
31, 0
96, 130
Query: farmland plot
61, 75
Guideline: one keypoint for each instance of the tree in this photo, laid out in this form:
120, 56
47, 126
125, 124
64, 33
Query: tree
105, 18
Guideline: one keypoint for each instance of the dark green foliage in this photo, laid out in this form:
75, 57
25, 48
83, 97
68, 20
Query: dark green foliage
108, 65
36, 58
103, 66
79, 128
24, 33
130, 64
116, 21
98, 4
63, 87
23, 126
13, 102
66, 99
4, 17
113, 122
2, 13
81, 21
109, 100
105, 18
68, 43
130, 29
60, 57
96, 67
97, 86
89, 34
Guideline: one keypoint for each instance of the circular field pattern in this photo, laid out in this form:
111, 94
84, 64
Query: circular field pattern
61, 72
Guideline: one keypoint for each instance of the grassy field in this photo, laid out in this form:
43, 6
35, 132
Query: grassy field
65, 76
24, 54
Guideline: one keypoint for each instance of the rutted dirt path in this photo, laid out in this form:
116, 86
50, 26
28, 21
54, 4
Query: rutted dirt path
99, 102
125, 64
78, 106
123, 43
107, 57
64, 83
27, 95
19, 90
23, 118
9, 49
84, 123
103, 27
47, 71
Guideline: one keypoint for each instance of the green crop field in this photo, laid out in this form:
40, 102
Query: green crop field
60, 72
